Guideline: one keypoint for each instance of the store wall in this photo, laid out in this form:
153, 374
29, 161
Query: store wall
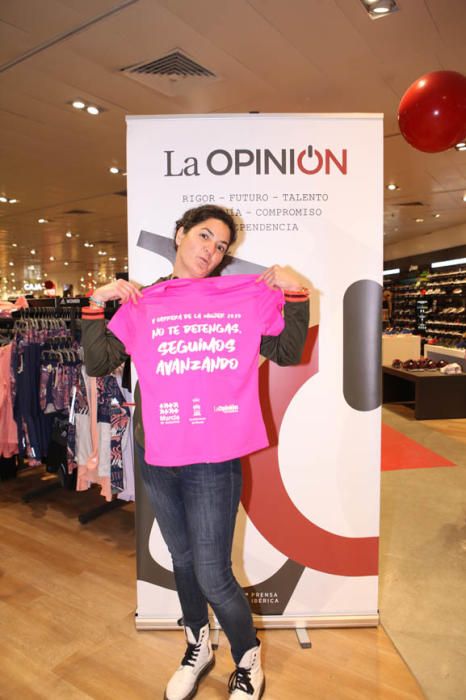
446, 238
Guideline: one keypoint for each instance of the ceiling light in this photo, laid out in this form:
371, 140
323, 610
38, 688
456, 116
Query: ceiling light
33, 251
31, 267
51, 258
392, 187
102, 252
394, 271
464, 198
459, 147
68, 234
419, 221
93, 110
114, 170
42, 221
66, 263
126, 267
12, 201
3, 198
112, 259
14, 245
81, 279
12, 274
379, 8
436, 216
445, 263
78, 104
89, 274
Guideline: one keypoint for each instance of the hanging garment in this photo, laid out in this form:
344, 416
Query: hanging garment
8, 427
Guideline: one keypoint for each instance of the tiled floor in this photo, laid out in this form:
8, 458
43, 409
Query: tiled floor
423, 557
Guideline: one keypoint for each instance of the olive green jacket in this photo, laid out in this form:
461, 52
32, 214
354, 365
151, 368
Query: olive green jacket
104, 352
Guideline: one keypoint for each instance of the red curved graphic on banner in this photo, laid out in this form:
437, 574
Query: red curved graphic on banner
267, 502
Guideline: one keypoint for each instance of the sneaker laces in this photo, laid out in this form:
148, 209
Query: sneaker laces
240, 679
191, 654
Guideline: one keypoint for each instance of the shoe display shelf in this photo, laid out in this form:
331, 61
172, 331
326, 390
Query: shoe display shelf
446, 317
434, 395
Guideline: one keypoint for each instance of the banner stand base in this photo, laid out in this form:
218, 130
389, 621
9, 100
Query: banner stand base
303, 638
300, 624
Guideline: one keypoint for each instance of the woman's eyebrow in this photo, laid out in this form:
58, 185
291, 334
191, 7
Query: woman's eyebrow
213, 235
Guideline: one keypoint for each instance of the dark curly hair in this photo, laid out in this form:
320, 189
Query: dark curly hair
195, 216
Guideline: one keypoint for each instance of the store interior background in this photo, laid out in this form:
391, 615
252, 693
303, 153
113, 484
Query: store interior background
265, 56
269, 56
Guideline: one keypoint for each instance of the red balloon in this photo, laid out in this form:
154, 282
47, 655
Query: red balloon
432, 112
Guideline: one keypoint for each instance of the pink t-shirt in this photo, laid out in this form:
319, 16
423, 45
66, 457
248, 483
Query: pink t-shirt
195, 344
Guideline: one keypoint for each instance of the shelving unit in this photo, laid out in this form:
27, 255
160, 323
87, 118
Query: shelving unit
445, 321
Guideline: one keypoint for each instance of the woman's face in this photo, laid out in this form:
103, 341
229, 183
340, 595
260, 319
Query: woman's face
201, 249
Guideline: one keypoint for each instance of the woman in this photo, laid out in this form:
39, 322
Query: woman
187, 497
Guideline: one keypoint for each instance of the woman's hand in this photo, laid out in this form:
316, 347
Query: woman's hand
281, 278
119, 289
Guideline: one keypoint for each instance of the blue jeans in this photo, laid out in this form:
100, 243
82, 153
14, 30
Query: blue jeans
196, 506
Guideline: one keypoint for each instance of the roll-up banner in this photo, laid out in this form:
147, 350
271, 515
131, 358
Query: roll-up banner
306, 191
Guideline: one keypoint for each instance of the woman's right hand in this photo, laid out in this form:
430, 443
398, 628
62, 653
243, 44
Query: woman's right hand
119, 289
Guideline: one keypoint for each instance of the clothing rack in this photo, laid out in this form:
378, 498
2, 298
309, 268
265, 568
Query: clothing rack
67, 309
84, 518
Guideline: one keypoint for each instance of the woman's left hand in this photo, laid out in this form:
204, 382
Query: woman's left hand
281, 278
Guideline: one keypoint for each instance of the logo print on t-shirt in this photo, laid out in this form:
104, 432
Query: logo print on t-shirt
169, 412
197, 418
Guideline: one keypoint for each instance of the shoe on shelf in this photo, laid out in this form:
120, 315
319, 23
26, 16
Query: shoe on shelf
247, 682
197, 662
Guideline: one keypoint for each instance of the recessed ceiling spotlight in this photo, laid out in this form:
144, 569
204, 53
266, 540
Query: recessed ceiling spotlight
68, 234
126, 267
51, 258
78, 104
114, 170
464, 198
11, 263
419, 221
66, 263
12, 274
102, 252
392, 187
89, 274
436, 216
33, 251
459, 146
81, 279
3, 198
12, 201
93, 110
31, 267
379, 8
42, 221
112, 259
14, 245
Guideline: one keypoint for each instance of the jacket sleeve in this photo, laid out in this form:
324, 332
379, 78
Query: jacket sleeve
287, 348
103, 352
